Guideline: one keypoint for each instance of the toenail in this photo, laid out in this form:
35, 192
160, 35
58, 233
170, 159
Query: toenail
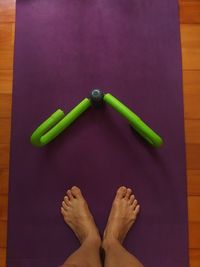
122, 188
74, 187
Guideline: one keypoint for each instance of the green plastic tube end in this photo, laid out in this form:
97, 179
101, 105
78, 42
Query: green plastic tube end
36, 137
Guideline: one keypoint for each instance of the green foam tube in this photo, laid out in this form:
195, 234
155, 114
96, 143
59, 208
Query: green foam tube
57, 123
143, 129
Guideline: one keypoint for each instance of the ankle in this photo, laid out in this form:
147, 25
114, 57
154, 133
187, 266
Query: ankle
109, 242
93, 240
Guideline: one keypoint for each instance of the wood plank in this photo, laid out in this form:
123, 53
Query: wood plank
193, 156
189, 11
2, 257
192, 131
3, 262
194, 257
5, 134
5, 105
193, 208
193, 178
194, 221
7, 14
191, 87
2, 253
6, 59
4, 155
6, 77
6, 45
4, 172
7, 11
3, 207
3, 234
190, 39
194, 235
7, 36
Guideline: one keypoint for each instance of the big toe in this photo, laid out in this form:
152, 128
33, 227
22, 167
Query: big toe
76, 192
121, 192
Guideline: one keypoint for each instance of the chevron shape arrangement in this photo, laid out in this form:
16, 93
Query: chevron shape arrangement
58, 121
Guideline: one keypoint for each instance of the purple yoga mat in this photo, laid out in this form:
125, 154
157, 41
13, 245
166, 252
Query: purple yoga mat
63, 49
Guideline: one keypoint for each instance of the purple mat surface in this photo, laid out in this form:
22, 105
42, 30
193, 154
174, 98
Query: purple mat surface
131, 49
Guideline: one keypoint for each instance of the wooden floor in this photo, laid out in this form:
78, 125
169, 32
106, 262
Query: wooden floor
190, 38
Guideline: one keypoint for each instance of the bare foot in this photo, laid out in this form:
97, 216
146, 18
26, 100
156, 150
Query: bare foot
78, 217
122, 216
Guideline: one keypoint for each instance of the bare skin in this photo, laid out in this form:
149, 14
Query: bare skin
78, 217
123, 214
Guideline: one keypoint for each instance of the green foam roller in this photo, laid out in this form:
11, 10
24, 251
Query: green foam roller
57, 123
143, 129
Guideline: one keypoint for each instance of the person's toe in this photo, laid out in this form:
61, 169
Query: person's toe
67, 201
69, 193
134, 203
64, 205
63, 211
137, 209
131, 199
128, 193
76, 192
121, 192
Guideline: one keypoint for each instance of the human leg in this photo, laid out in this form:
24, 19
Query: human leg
122, 216
77, 216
